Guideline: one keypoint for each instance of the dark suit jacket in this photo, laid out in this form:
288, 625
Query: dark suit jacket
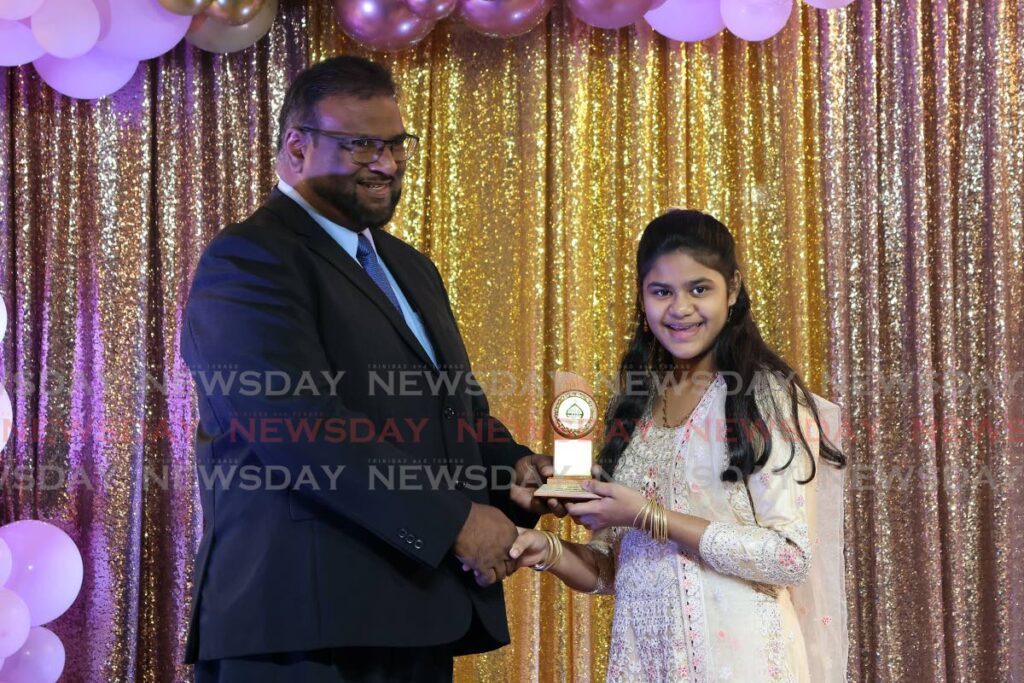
361, 556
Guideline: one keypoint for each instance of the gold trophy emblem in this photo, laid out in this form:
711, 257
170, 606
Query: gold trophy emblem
573, 416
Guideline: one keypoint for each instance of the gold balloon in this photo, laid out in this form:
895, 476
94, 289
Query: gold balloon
234, 12
188, 8
213, 35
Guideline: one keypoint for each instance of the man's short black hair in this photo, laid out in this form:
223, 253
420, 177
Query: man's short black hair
347, 76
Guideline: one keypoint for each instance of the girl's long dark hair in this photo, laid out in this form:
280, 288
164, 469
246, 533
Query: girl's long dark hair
741, 355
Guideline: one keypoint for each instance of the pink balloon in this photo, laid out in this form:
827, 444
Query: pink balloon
66, 28
756, 19
19, 9
47, 571
431, 10
6, 562
503, 18
17, 46
610, 13
828, 4
138, 29
40, 659
382, 24
687, 21
14, 622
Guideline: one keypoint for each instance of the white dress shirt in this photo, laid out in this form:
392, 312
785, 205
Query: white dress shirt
349, 242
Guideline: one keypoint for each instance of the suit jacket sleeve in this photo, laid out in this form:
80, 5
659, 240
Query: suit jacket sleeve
251, 310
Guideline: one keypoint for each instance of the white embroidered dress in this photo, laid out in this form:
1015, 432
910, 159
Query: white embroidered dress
726, 615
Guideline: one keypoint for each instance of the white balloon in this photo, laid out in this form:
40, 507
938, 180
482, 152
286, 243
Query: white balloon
687, 20
756, 20
138, 29
94, 74
6, 421
66, 28
19, 9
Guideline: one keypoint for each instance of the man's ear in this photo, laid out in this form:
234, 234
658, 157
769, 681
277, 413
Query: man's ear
293, 149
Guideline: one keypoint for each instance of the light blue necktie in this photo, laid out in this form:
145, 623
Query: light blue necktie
367, 258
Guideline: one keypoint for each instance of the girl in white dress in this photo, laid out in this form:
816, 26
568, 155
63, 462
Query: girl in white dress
721, 532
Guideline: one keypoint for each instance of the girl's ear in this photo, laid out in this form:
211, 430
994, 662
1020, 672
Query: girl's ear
734, 287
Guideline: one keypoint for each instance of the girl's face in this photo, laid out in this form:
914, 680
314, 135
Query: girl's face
686, 304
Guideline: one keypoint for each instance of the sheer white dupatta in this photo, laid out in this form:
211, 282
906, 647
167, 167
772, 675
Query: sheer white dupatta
820, 601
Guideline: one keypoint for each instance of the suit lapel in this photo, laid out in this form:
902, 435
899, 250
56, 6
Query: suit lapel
324, 245
417, 290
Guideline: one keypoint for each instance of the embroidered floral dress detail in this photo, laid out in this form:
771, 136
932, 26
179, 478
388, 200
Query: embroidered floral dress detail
724, 615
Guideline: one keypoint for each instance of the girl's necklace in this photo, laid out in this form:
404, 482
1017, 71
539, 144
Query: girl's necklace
664, 413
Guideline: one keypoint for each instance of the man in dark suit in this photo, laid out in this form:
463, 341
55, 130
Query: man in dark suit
359, 500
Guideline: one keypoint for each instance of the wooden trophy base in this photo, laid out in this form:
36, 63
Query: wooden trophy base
565, 488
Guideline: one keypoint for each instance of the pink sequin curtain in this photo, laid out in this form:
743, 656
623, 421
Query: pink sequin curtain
869, 160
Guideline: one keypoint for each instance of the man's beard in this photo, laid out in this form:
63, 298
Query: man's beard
362, 216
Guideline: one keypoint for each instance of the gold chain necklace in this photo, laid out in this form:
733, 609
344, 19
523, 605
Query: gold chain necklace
664, 412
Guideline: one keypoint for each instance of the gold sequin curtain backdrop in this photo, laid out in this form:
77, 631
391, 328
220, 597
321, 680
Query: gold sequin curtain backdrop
868, 160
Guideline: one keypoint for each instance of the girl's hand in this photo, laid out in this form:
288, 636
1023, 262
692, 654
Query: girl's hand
529, 549
618, 506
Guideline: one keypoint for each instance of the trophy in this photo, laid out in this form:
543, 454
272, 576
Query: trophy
573, 416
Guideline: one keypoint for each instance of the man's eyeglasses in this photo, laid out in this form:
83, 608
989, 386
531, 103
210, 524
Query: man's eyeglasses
368, 150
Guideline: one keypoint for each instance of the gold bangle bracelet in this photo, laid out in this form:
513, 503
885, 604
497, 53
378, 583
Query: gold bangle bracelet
555, 549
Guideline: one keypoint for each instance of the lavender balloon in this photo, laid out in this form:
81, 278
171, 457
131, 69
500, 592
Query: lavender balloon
828, 4
756, 19
66, 28
40, 659
431, 10
381, 24
17, 45
19, 9
504, 18
138, 29
47, 572
14, 622
610, 13
6, 562
687, 21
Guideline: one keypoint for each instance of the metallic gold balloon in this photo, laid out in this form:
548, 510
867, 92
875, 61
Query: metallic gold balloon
188, 8
234, 12
213, 35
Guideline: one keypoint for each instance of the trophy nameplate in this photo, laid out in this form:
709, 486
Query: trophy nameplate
573, 416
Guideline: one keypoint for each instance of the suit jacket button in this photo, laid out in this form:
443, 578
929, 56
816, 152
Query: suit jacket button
418, 544
402, 533
409, 539
448, 412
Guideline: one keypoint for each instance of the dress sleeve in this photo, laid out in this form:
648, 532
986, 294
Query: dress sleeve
777, 549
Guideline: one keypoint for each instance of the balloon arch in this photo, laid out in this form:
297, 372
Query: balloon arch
90, 48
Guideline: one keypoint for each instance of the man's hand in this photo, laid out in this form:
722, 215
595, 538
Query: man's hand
483, 544
531, 472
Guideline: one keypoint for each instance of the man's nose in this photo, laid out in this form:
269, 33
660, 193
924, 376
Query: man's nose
385, 163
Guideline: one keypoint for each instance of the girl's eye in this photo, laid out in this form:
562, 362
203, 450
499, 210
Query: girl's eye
699, 290
661, 292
